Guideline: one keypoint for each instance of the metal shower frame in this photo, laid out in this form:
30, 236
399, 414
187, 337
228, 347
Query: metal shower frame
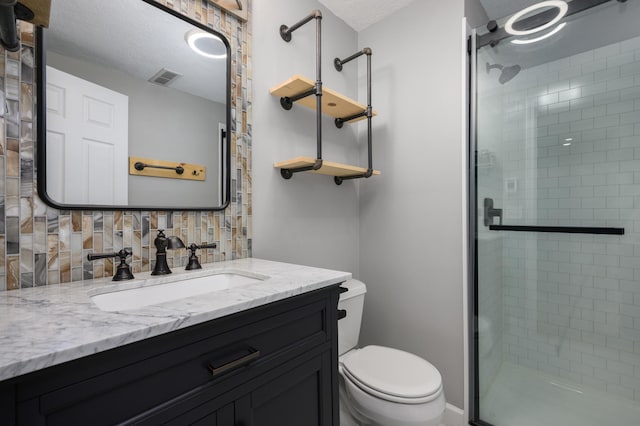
474, 43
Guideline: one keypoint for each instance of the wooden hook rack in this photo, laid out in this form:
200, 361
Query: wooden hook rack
235, 7
139, 166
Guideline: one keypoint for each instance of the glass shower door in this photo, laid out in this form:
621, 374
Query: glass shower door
556, 164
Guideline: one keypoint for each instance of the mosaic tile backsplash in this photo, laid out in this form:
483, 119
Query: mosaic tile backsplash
40, 245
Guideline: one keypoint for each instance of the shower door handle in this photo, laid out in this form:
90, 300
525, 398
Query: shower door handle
593, 230
490, 212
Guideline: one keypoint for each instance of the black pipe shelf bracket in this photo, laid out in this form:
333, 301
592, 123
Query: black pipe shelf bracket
299, 89
36, 12
287, 102
10, 11
368, 113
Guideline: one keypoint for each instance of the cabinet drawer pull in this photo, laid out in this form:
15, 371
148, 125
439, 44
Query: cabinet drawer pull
247, 359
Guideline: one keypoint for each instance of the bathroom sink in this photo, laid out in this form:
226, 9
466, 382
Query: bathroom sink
156, 290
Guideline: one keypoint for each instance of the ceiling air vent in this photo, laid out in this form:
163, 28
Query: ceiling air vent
164, 77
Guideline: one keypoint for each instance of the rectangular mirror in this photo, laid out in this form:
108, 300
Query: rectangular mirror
133, 108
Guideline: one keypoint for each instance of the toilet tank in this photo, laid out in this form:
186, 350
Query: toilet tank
352, 301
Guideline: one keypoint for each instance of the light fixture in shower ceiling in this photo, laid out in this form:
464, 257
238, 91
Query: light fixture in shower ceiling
542, 37
562, 7
206, 44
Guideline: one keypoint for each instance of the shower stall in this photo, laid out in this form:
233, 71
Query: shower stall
555, 216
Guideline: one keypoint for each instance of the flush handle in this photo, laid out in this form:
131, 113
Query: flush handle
342, 313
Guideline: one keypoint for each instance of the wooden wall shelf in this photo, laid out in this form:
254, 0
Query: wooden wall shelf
328, 168
334, 104
41, 10
313, 95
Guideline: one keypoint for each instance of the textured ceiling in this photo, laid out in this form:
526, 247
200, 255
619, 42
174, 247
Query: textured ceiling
359, 14
111, 33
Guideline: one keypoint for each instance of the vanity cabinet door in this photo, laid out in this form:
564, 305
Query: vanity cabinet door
142, 379
282, 356
297, 393
300, 397
7, 405
205, 415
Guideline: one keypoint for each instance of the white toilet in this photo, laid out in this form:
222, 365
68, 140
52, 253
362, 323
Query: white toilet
382, 386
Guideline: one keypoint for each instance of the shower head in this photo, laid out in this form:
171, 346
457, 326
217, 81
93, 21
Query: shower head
507, 74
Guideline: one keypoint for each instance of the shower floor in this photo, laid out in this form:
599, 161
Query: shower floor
520, 396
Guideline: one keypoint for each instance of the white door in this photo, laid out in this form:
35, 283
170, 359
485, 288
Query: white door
87, 141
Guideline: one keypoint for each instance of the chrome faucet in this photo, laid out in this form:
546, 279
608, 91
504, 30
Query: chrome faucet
163, 243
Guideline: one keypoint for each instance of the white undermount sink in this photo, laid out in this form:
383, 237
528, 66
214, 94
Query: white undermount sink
149, 293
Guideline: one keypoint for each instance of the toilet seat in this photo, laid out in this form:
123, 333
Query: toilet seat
392, 375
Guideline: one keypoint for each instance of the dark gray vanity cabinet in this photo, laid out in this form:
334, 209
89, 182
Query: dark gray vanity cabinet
275, 365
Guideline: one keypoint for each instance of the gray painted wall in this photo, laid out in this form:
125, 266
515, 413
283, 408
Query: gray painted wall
154, 132
401, 233
475, 13
308, 219
411, 216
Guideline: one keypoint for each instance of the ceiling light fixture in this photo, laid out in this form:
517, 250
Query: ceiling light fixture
566, 144
206, 44
559, 4
542, 37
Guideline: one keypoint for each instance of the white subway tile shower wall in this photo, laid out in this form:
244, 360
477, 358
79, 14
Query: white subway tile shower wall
571, 303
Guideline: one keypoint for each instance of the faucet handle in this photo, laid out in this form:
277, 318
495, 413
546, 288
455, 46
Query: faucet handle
123, 272
194, 263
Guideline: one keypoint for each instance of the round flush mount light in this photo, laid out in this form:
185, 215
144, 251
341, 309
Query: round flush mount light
206, 44
559, 4
542, 37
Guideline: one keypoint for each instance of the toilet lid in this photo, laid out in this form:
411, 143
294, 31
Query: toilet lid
393, 372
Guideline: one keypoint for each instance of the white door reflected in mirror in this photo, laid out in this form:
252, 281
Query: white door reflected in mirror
87, 141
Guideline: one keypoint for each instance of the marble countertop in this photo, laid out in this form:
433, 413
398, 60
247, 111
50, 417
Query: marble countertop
45, 326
